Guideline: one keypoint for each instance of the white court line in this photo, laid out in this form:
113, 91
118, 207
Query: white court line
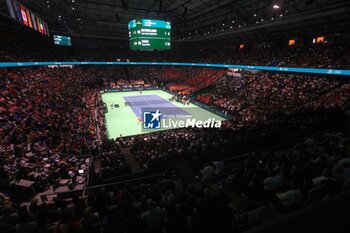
178, 109
134, 106
150, 103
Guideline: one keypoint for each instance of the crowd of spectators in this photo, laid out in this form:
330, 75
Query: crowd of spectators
46, 125
162, 203
199, 81
285, 179
51, 125
45, 114
111, 161
52, 128
256, 97
313, 168
160, 151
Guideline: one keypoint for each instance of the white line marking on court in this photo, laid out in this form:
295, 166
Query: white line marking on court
135, 106
151, 104
176, 108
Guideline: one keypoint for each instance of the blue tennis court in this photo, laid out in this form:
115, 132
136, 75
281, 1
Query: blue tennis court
123, 120
139, 103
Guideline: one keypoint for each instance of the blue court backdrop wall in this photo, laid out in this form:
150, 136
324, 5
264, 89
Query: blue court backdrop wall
316, 71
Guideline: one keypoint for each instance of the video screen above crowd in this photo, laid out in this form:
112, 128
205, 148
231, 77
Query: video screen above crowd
333, 54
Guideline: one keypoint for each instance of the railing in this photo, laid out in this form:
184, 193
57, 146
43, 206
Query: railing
130, 89
223, 114
207, 65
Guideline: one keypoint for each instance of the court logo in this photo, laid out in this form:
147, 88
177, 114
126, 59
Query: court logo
152, 120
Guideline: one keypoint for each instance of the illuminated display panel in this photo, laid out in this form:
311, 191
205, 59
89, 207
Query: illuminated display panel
149, 34
62, 40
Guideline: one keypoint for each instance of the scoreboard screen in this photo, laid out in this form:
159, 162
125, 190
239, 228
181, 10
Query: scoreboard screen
62, 40
149, 34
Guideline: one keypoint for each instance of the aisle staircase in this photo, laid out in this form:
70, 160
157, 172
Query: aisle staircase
135, 166
127, 75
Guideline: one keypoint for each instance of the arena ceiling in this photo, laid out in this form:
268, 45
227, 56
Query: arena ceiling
191, 19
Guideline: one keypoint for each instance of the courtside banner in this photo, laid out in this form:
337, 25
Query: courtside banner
247, 67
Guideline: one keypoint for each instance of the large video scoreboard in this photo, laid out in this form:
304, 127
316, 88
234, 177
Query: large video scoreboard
62, 40
149, 34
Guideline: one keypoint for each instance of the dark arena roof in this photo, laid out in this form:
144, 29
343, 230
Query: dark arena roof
168, 116
193, 19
